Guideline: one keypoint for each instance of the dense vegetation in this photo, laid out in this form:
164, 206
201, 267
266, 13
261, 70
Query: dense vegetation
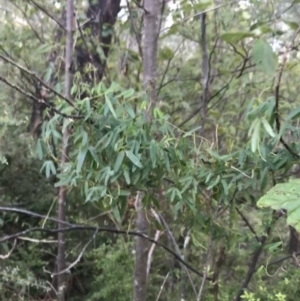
206, 138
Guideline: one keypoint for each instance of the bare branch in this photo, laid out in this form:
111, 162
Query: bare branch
32, 97
74, 227
8, 60
177, 250
247, 223
252, 265
67, 269
151, 251
44, 10
10, 251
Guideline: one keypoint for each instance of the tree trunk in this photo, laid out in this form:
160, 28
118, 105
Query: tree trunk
61, 281
141, 251
150, 39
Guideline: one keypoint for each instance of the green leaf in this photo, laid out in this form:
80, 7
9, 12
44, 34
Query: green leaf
255, 135
208, 177
128, 93
284, 196
225, 186
80, 159
85, 138
94, 155
257, 25
189, 133
48, 74
294, 114
110, 106
262, 27
66, 123
273, 247
268, 128
124, 193
126, 176
39, 149
264, 56
167, 162
234, 37
129, 110
292, 25
264, 179
116, 214
49, 168
136, 177
172, 194
115, 176
188, 182
214, 183
134, 159
62, 182
109, 174
166, 53
153, 153
119, 161
104, 141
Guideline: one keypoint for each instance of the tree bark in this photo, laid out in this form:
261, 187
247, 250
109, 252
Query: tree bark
150, 40
141, 252
61, 281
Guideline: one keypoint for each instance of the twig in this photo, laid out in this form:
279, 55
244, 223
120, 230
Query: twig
32, 214
198, 14
208, 256
8, 60
162, 84
44, 241
162, 286
277, 88
177, 250
200, 108
32, 97
252, 266
149, 261
280, 260
67, 269
9, 252
247, 223
75, 227
48, 14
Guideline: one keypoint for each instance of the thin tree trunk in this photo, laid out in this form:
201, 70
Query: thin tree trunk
61, 281
205, 69
141, 252
150, 40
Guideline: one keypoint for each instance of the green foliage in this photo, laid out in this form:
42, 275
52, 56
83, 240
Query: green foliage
286, 288
206, 168
110, 268
16, 282
284, 196
264, 56
234, 37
